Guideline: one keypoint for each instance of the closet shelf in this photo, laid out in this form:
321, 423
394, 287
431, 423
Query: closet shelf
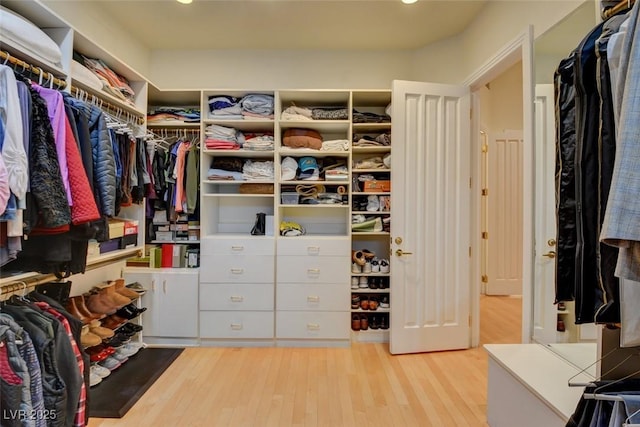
34, 61
223, 195
295, 152
370, 233
173, 125
379, 310
344, 182
318, 206
371, 193
370, 213
367, 150
363, 127
115, 103
239, 153
235, 182
243, 125
370, 170
319, 125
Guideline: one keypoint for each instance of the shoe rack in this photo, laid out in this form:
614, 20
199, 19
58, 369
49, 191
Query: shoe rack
370, 221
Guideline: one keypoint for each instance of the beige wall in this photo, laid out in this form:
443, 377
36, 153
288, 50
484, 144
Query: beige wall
505, 103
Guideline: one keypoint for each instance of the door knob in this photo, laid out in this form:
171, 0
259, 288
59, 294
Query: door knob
550, 254
551, 242
400, 252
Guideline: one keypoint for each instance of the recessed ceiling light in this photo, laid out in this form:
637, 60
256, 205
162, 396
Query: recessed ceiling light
403, 1
184, 1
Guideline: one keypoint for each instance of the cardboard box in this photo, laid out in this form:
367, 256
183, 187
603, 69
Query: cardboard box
116, 228
382, 186
111, 245
130, 227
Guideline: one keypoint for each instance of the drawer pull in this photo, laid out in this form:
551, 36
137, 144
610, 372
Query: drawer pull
313, 298
153, 285
236, 326
237, 270
237, 248
313, 326
237, 298
313, 249
313, 270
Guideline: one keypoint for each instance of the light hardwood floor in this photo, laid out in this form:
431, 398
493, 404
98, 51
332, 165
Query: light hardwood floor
360, 386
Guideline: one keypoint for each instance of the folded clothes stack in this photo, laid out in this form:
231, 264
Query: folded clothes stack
173, 115
257, 106
223, 138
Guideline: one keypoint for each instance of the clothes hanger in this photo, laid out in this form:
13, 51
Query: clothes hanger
584, 371
626, 422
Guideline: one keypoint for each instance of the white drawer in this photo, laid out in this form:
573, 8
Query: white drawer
329, 246
236, 324
228, 245
324, 297
305, 269
237, 296
237, 269
312, 324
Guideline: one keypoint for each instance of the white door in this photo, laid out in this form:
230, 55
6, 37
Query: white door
430, 288
504, 213
544, 312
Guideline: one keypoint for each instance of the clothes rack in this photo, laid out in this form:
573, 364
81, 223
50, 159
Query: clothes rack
619, 7
6, 57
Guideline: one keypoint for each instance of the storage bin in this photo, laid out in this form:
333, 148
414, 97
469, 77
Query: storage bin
110, 245
289, 198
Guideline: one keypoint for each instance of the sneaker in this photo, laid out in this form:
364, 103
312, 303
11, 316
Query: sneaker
363, 282
384, 266
100, 371
375, 266
355, 268
120, 356
94, 379
127, 351
384, 303
134, 347
354, 283
367, 267
137, 287
111, 363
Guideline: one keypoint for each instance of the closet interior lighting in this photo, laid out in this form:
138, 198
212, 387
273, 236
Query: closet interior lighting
409, 1
184, 1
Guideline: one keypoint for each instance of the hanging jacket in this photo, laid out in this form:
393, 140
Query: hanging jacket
104, 165
46, 181
565, 180
84, 207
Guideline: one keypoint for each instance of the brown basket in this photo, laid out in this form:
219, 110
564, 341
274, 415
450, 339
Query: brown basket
256, 188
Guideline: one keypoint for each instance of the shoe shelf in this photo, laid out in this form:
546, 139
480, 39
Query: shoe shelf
378, 310
370, 291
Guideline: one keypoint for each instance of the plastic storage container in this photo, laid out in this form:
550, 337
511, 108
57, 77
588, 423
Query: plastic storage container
289, 198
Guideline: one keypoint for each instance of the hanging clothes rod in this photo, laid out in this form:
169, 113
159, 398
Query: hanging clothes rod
116, 110
29, 283
620, 7
46, 76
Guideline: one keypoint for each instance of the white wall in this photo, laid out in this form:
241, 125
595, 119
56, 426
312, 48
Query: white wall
505, 109
278, 69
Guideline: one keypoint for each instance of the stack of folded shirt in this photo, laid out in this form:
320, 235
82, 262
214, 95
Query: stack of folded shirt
335, 145
258, 142
223, 138
330, 113
224, 107
258, 170
382, 140
226, 169
296, 114
257, 106
173, 115
366, 117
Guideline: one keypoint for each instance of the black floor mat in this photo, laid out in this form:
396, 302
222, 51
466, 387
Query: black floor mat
117, 393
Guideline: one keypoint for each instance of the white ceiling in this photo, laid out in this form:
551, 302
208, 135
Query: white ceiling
291, 24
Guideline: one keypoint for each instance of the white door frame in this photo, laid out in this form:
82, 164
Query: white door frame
519, 49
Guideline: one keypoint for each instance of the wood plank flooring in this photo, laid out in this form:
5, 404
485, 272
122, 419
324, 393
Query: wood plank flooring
360, 386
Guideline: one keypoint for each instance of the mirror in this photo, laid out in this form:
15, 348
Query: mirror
554, 325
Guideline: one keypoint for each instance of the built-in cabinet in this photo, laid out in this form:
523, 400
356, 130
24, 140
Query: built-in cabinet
171, 301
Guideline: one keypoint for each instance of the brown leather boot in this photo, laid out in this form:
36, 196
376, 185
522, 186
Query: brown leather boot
97, 302
82, 308
73, 310
123, 290
116, 299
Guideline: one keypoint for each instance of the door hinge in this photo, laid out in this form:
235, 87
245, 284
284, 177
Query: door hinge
485, 235
469, 320
469, 251
485, 148
485, 278
485, 191
470, 182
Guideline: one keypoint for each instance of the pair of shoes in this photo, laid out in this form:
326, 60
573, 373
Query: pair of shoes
359, 322
118, 340
100, 371
87, 338
113, 322
130, 311
130, 329
111, 363
383, 323
371, 303
384, 303
94, 379
354, 282
78, 309
375, 266
358, 258
374, 323
102, 332
125, 291
356, 268
367, 268
374, 283
129, 350
99, 353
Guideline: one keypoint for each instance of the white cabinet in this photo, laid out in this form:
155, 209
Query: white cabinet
171, 301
